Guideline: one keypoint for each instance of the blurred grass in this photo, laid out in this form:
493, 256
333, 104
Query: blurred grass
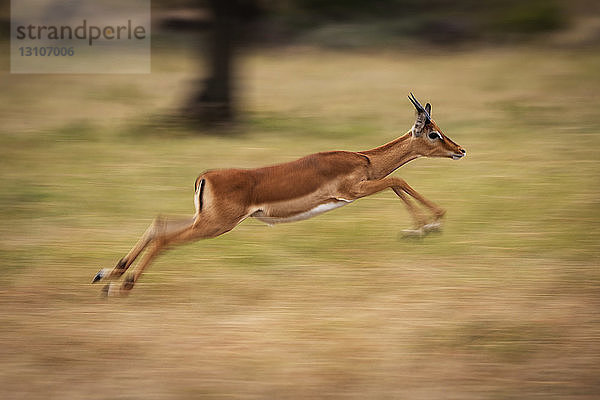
502, 305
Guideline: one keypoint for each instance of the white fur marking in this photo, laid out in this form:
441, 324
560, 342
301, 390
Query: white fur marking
320, 209
197, 200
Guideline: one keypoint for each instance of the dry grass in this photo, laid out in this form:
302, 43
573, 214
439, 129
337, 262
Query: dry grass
502, 305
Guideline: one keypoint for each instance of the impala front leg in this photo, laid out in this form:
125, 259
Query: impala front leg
422, 227
417, 216
436, 210
400, 187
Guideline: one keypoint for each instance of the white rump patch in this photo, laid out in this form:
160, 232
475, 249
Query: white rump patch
197, 201
320, 209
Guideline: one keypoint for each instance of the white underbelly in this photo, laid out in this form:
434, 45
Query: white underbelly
320, 209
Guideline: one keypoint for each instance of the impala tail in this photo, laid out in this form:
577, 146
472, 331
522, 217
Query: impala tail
199, 194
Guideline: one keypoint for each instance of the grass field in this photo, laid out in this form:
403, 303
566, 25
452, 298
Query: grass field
504, 304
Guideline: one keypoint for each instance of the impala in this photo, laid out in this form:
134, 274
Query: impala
294, 191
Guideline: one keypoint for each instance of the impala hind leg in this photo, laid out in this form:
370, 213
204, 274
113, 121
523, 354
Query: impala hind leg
173, 232
124, 263
114, 289
159, 226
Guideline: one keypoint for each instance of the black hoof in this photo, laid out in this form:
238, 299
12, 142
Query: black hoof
98, 276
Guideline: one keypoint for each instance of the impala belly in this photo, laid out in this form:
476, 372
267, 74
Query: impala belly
275, 214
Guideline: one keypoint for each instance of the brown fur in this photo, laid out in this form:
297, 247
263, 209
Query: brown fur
290, 189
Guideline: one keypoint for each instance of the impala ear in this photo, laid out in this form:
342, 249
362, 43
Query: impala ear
428, 108
420, 124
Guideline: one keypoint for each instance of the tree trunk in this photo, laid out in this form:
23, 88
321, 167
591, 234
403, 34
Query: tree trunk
213, 101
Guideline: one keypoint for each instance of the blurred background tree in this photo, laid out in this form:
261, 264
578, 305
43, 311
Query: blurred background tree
212, 100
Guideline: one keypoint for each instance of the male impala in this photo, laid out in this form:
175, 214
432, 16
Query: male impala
294, 191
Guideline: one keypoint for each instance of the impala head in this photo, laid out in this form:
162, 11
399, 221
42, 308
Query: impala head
429, 139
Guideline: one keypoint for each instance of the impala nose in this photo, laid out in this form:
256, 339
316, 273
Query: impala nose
461, 153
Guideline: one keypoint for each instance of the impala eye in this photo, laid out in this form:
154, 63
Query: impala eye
434, 135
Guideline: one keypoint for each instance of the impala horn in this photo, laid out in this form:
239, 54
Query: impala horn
419, 107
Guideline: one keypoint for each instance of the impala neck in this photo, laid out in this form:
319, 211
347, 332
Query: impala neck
391, 156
